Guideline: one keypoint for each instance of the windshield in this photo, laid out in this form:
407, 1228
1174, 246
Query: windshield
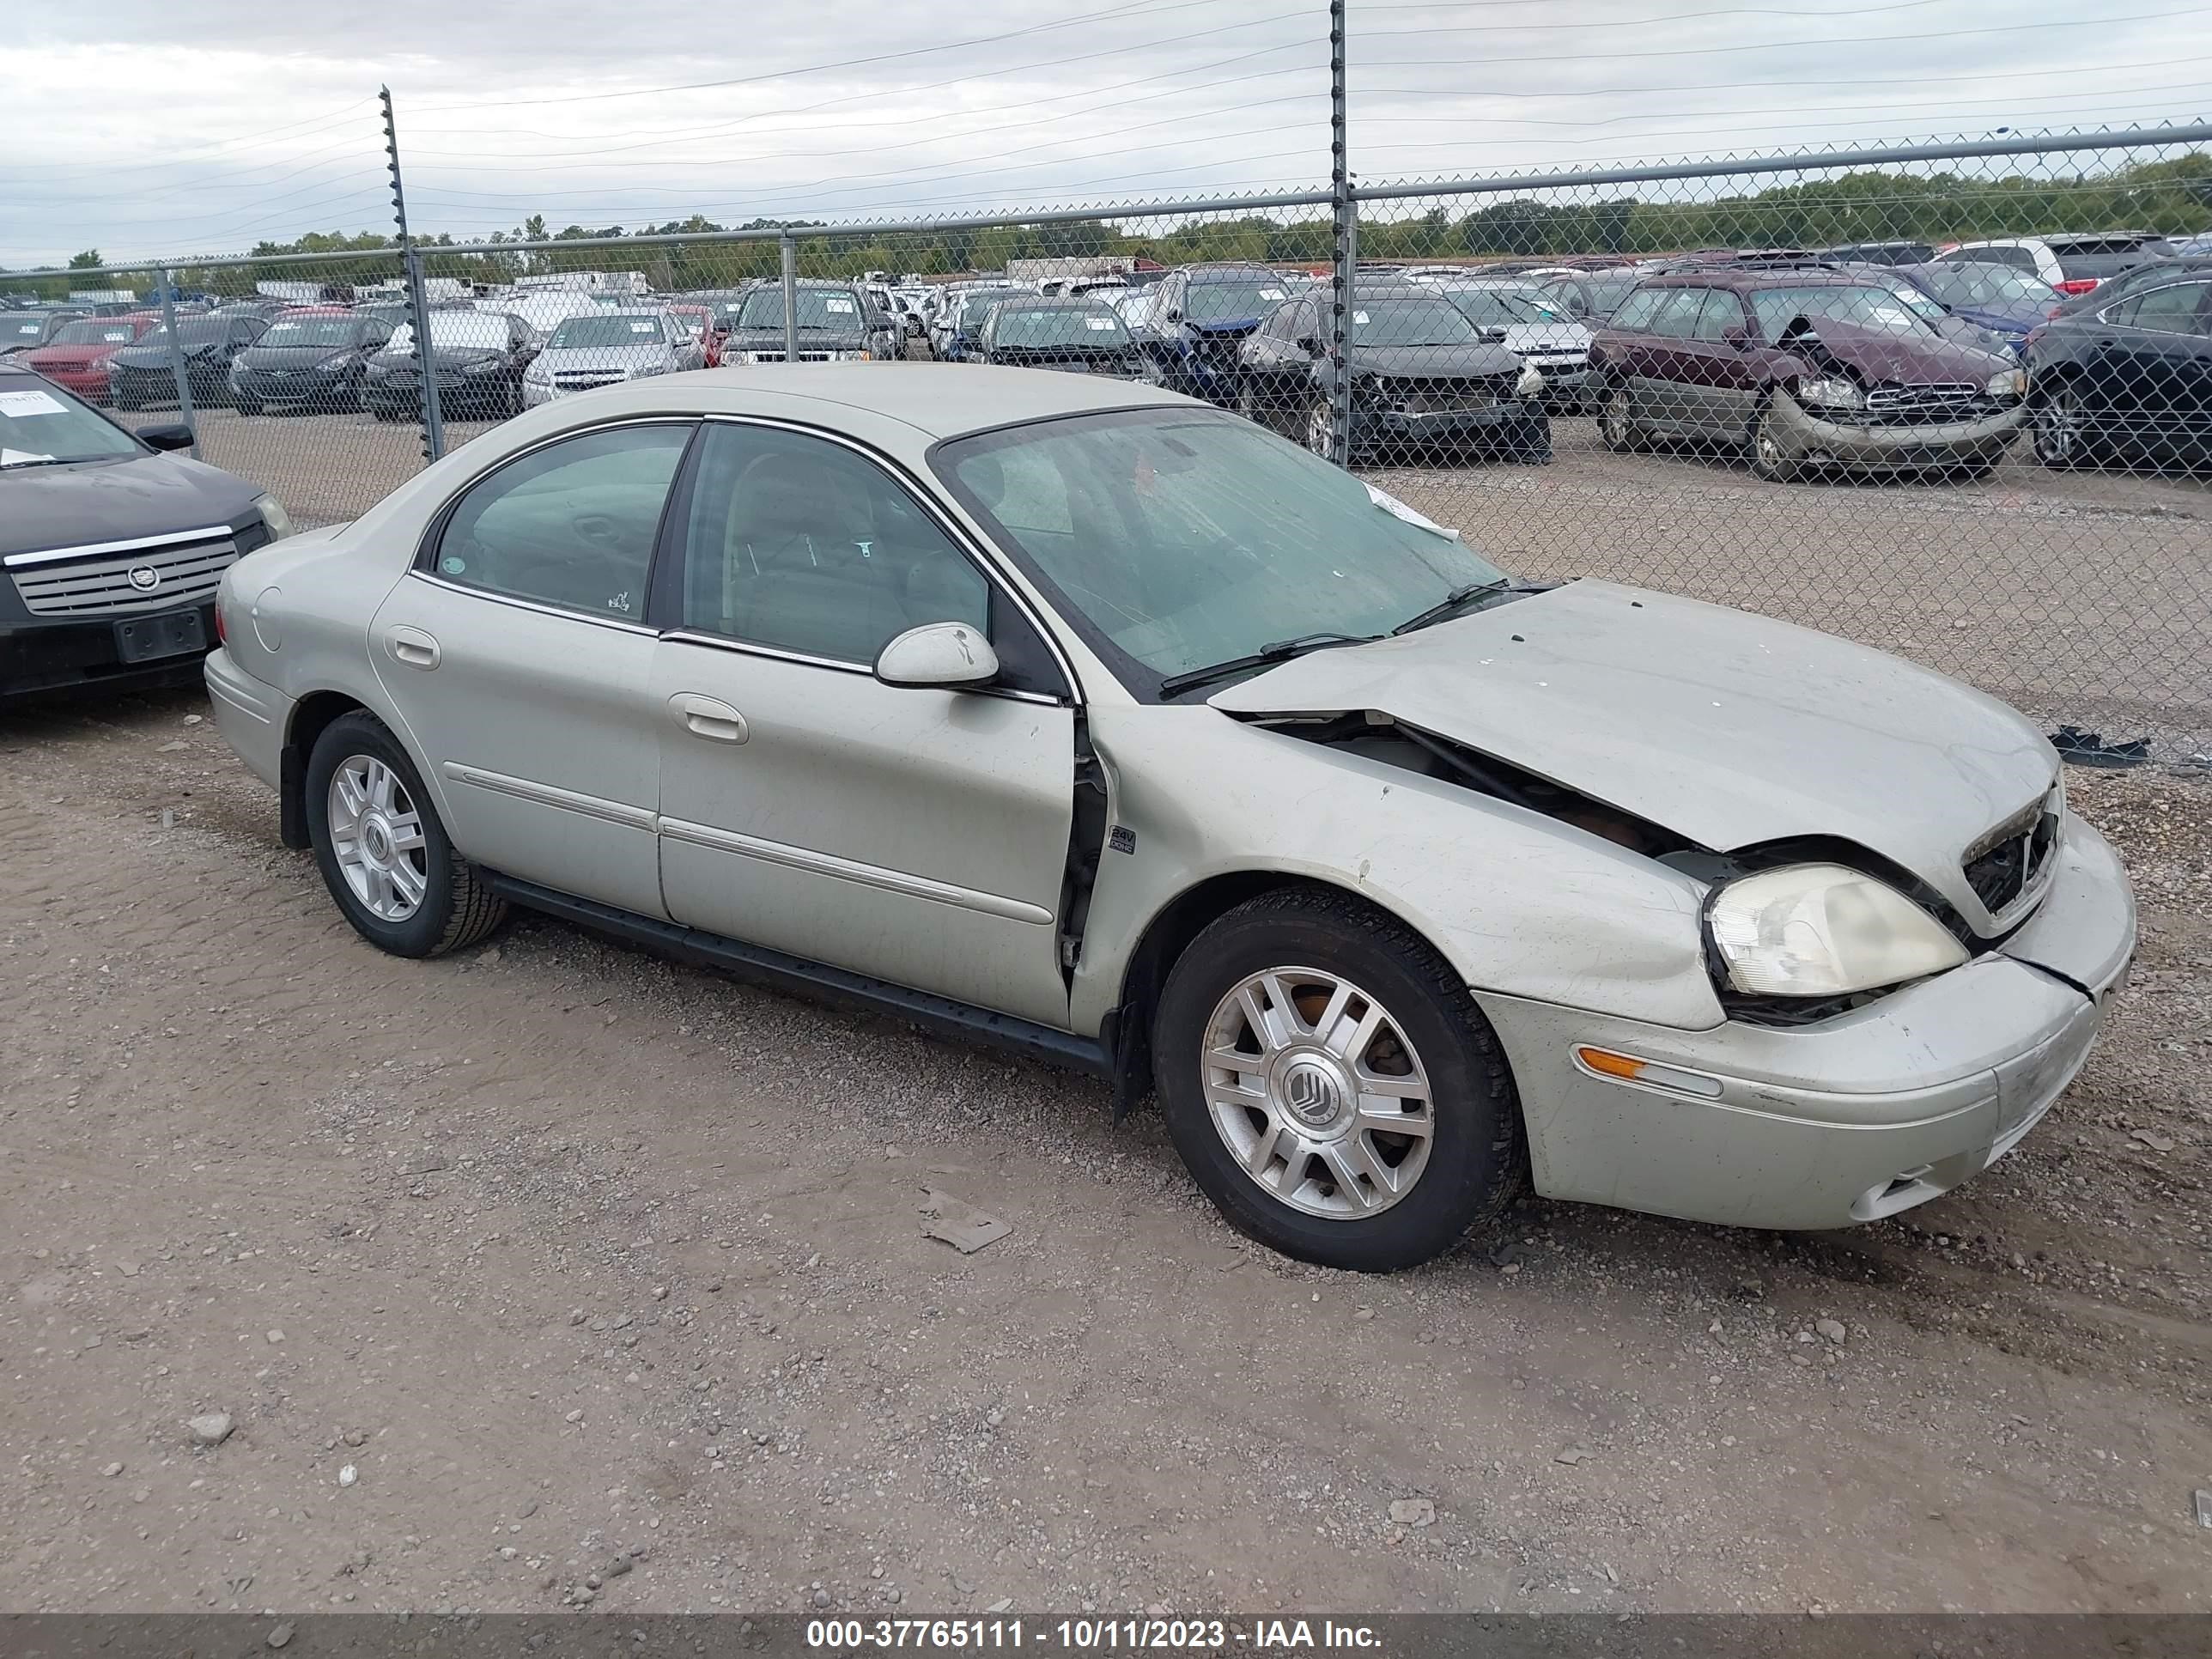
832, 310
1234, 301
316, 331
976, 301
1412, 323
191, 330
471, 330
40, 423
1058, 326
613, 331
1862, 307
1499, 307
21, 326
96, 334
1186, 537
1913, 299
1986, 285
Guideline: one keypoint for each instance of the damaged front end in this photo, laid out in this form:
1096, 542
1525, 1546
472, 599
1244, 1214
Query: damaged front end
1863, 408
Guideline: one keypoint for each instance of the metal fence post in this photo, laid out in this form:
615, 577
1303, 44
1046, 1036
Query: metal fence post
788, 250
177, 370
1343, 250
419, 305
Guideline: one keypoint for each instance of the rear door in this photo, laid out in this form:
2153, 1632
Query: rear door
2148, 376
1665, 396
917, 835
517, 657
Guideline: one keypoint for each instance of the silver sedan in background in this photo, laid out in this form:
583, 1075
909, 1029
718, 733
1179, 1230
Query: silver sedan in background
1083, 719
607, 347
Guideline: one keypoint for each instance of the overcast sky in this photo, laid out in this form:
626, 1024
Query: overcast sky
140, 128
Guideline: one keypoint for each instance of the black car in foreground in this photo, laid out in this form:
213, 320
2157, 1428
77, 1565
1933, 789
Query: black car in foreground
2131, 380
1084, 337
478, 356
140, 373
1424, 378
111, 547
312, 359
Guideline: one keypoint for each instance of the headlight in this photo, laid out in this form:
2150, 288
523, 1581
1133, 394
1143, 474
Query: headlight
1828, 392
1819, 930
335, 359
483, 365
2011, 383
1530, 383
274, 515
539, 374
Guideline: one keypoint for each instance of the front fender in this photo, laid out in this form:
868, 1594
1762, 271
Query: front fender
1519, 904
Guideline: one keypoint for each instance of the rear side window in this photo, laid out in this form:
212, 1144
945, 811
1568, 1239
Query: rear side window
572, 525
1677, 316
2019, 259
1636, 310
1723, 312
2177, 309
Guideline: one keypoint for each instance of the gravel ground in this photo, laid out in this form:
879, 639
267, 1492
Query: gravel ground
2079, 597
554, 1275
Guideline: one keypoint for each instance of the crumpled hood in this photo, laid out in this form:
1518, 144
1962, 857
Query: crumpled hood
1880, 355
1729, 729
117, 500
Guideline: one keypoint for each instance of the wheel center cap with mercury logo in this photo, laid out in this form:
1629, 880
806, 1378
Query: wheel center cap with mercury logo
1312, 1092
145, 578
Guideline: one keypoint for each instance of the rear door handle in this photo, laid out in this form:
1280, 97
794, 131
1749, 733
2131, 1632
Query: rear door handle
709, 718
412, 646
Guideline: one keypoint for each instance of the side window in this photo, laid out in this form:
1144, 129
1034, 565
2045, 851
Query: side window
2170, 310
1637, 310
571, 524
801, 544
1677, 315
1723, 312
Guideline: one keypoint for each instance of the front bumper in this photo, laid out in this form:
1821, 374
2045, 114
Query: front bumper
1849, 1120
327, 386
1806, 437
61, 653
1377, 428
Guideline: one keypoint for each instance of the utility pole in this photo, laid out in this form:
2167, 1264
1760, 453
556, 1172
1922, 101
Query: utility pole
1344, 251
418, 304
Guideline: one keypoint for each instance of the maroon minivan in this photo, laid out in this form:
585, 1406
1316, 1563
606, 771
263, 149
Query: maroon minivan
1803, 366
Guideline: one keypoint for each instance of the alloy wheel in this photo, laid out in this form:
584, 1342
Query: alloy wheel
1612, 418
376, 838
2058, 428
1321, 430
1317, 1093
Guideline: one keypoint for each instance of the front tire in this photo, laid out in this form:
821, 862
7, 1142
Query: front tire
1331, 1085
1769, 460
2061, 427
383, 853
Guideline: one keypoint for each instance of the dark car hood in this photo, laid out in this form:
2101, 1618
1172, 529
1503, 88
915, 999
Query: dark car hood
1433, 361
45, 507
1880, 355
145, 356
443, 357
2005, 313
1731, 729
1229, 330
1051, 357
291, 357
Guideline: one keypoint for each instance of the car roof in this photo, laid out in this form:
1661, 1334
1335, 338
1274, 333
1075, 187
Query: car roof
1229, 273
935, 400
1747, 277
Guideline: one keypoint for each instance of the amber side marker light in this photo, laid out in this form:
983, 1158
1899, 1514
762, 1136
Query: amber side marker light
1629, 1069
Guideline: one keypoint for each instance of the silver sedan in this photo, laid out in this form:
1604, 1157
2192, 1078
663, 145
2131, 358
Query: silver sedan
1087, 720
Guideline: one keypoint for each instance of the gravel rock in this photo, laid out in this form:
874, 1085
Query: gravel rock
211, 1428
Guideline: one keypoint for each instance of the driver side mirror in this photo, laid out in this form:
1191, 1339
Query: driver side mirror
945, 654
1493, 337
171, 435
1736, 336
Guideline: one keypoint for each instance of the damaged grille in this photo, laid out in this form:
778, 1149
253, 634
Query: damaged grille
1440, 395
2006, 863
1929, 405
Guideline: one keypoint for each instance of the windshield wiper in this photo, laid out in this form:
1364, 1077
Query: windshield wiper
42, 460
1450, 603
1266, 656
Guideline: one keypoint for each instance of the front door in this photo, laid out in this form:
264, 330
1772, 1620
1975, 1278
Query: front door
919, 836
1664, 399
518, 659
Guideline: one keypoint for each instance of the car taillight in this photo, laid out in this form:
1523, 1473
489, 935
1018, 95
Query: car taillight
222, 627
2077, 285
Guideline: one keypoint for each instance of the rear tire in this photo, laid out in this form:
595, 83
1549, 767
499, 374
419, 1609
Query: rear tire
1348, 998
384, 855
1615, 425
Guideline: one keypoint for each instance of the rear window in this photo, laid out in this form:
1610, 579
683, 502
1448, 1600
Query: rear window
2076, 266
2125, 242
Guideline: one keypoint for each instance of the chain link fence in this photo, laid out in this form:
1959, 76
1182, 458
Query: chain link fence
1953, 402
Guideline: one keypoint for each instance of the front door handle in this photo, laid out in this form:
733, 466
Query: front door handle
709, 718
412, 646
